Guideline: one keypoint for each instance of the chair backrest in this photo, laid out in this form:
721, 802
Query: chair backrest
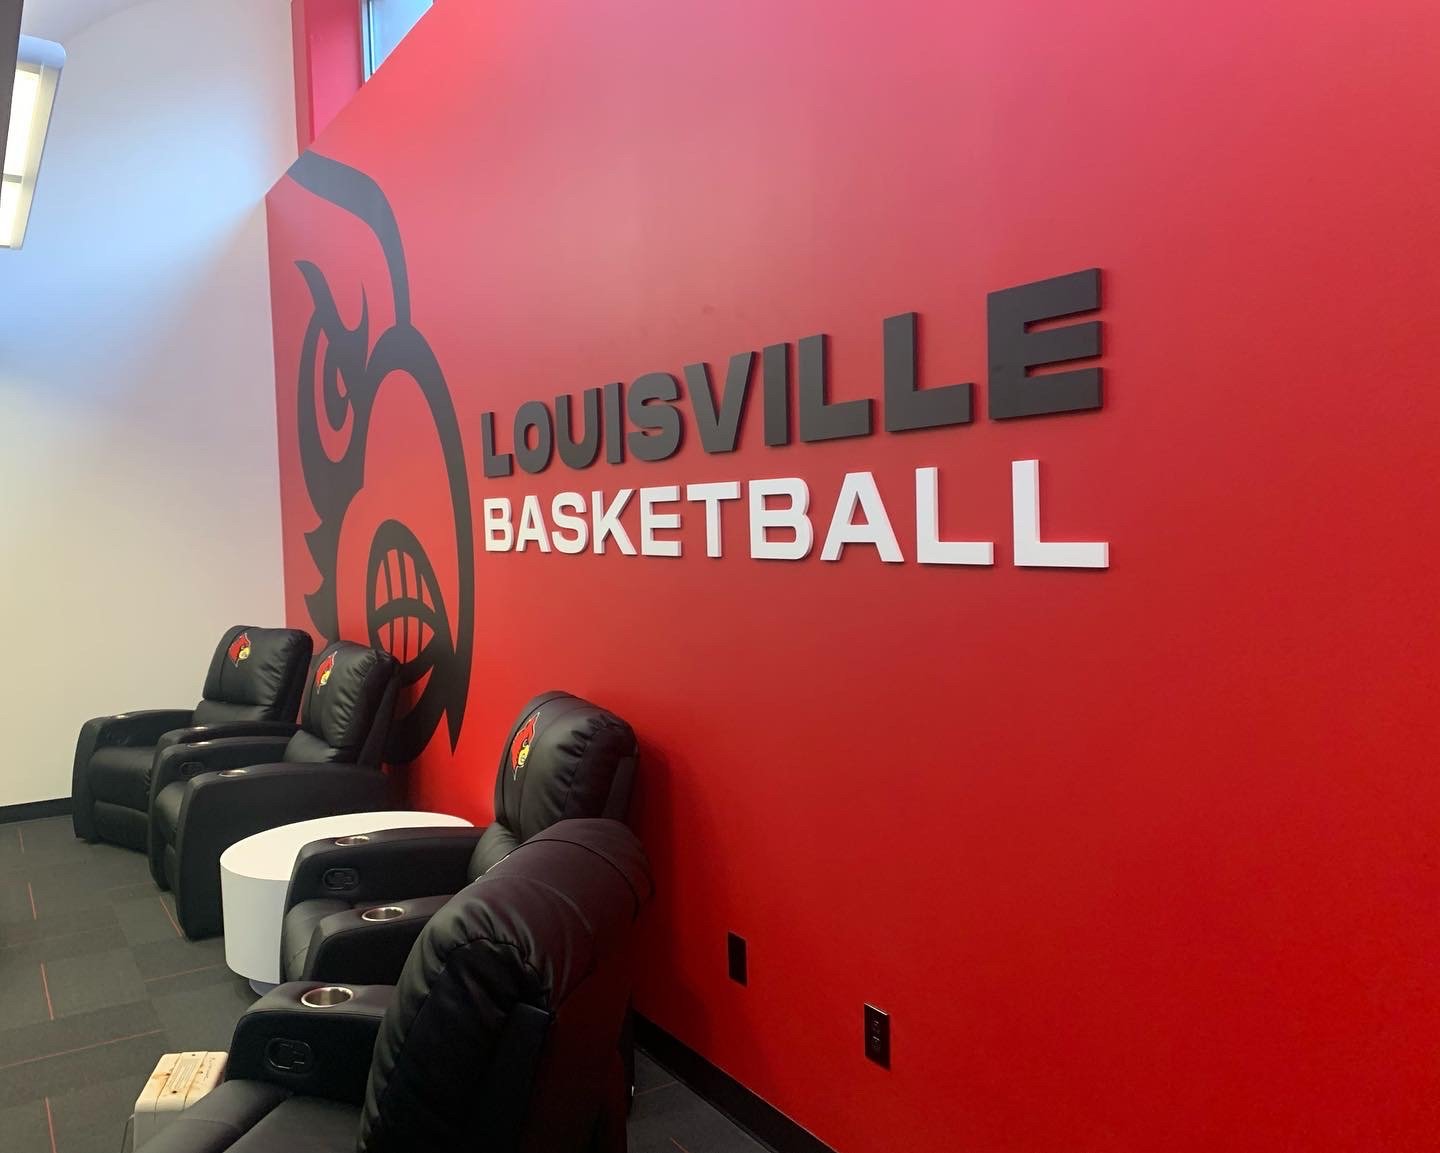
544, 936
563, 758
348, 706
255, 675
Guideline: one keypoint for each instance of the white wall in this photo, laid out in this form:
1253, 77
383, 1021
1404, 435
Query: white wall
139, 495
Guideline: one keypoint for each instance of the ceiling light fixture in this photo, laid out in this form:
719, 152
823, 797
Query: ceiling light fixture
37, 73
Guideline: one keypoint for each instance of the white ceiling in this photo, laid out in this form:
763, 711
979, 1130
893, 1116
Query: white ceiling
62, 19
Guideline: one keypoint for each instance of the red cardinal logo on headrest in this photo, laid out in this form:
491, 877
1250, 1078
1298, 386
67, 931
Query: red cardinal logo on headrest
520, 746
239, 649
322, 674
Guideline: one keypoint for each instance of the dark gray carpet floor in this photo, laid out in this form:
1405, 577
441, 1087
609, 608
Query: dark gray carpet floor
96, 982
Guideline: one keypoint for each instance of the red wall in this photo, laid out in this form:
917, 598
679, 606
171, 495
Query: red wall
328, 62
1137, 860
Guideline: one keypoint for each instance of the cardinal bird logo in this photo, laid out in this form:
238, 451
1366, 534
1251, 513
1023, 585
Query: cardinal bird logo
520, 746
412, 608
322, 674
240, 649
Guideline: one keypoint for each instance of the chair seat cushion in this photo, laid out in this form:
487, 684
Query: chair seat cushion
120, 774
167, 810
297, 929
303, 1125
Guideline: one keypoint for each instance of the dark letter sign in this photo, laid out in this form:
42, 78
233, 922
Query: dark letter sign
820, 417
906, 405
495, 464
1014, 350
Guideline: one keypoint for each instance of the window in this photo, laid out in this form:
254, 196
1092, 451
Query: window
386, 23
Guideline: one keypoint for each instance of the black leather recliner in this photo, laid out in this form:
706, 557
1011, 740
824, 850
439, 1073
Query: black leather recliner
564, 758
501, 1034
207, 795
252, 689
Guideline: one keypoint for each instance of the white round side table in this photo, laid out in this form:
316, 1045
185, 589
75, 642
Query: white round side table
255, 875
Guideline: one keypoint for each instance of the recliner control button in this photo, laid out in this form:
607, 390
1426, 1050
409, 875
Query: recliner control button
341, 878
286, 1056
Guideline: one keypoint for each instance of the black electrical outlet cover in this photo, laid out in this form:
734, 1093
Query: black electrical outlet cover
877, 1036
739, 964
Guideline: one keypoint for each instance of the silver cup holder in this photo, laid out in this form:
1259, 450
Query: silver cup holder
327, 996
357, 839
232, 772
382, 913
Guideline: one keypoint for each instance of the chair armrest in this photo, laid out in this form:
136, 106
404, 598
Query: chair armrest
191, 734
345, 947
320, 1052
125, 729
219, 810
180, 761
144, 727
218, 1120
419, 862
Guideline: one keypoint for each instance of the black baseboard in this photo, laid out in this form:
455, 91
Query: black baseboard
762, 1120
34, 810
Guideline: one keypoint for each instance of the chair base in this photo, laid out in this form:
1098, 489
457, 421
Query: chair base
118, 825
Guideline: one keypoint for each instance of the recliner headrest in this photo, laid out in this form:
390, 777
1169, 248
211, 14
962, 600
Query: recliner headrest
350, 687
554, 913
258, 666
563, 758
